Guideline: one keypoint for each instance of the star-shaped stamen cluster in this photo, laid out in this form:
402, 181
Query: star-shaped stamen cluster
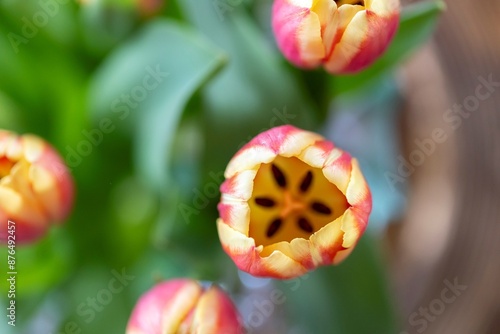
302, 222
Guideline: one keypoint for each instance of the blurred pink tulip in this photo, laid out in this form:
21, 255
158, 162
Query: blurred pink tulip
36, 188
342, 36
183, 306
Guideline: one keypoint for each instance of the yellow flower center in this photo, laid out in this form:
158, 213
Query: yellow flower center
291, 200
5, 166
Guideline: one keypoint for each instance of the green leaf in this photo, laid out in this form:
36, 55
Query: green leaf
42, 265
147, 83
255, 92
350, 298
417, 25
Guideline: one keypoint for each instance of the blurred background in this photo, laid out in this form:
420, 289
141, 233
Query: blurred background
147, 101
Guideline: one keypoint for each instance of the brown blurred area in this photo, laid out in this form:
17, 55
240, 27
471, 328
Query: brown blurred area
451, 229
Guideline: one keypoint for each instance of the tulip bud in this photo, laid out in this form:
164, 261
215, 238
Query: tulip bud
36, 189
183, 306
150, 7
291, 202
344, 36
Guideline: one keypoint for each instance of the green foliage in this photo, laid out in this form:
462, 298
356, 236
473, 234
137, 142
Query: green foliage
166, 101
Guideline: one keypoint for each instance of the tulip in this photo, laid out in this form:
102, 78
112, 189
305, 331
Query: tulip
36, 189
150, 7
183, 306
291, 202
343, 36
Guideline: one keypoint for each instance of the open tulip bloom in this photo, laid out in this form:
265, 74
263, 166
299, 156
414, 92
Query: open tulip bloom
183, 306
36, 189
291, 202
344, 36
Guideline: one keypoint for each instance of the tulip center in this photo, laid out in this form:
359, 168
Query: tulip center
350, 2
292, 200
5, 166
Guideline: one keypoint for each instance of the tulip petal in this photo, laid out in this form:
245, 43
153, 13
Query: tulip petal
357, 193
53, 163
342, 255
327, 242
349, 44
383, 7
45, 188
14, 148
17, 199
249, 157
33, 148
317, 154
35, 186
215, 313
296, 141
365, 38
239, 186
352, 228
298, 249
235, 213
338, 169
163, 308
247, 257
299, 32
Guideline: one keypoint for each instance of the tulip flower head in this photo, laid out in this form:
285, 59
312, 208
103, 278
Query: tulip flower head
291, 202
344, 36
36, 189
183, 306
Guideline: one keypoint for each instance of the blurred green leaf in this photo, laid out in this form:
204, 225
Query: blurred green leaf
418, 22
99, 299
9, 113
106, 23
41, 265
154, 75
350, 298
255, 92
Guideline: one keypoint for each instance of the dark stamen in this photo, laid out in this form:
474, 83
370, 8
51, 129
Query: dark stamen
265, 202
305, 225
306, 182
321, 208
274, 227
279, 176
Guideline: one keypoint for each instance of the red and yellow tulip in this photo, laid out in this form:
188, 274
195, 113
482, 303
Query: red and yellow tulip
291, 202
36, 188
183, 306
343, 36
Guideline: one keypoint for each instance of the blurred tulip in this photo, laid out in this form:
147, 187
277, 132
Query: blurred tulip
291, 202
183, 306
36, 189
343, 36
150, 7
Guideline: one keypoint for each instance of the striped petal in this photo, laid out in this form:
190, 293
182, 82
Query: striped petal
343, 38
299, 27
183, 306
304, 208
36, 189
364, 40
